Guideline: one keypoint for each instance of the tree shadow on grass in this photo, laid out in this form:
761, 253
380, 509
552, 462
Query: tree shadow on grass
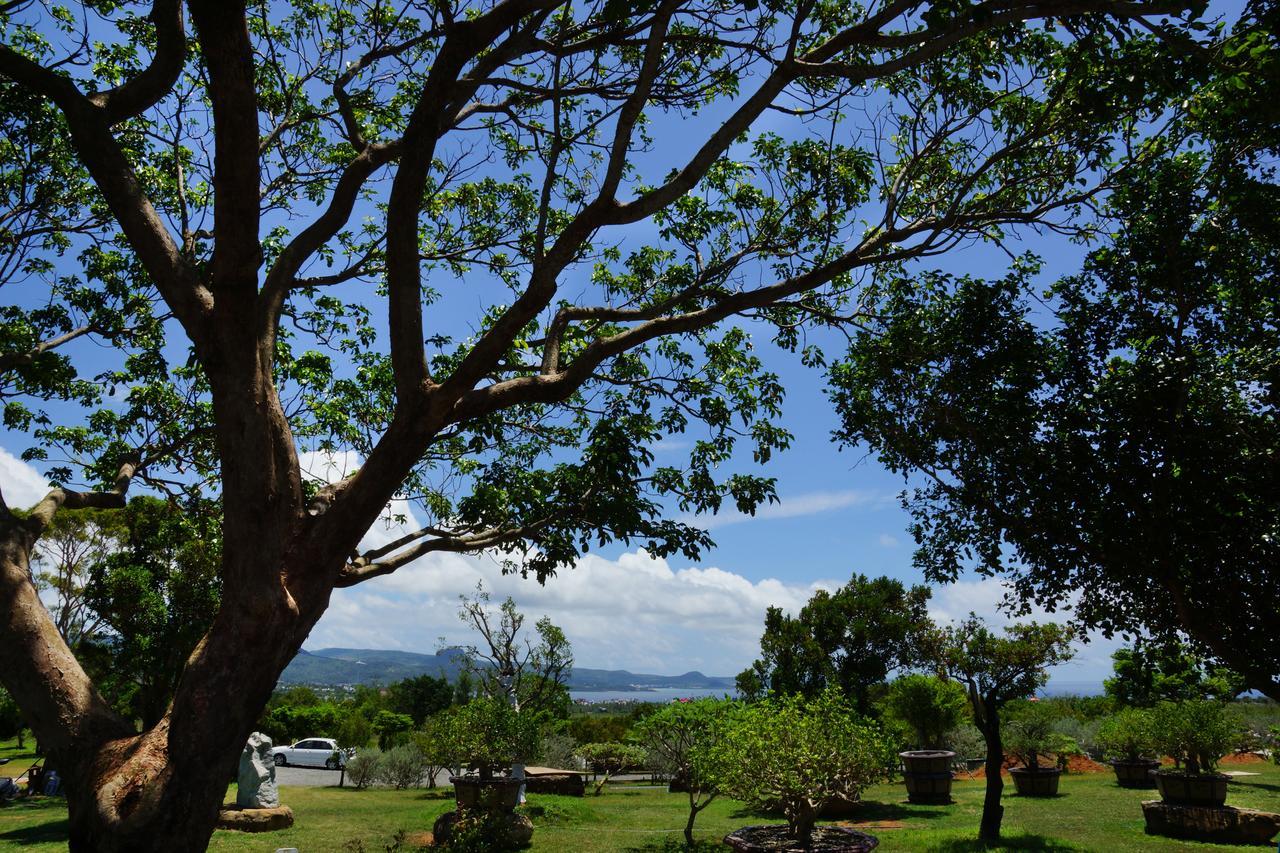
40, 833
866, 811
677, 845
1025, 841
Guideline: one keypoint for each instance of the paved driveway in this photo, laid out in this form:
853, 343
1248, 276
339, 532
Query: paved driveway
318, 777
307, 777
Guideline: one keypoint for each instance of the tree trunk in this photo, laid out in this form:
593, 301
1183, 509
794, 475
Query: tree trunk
688, 826
992, 811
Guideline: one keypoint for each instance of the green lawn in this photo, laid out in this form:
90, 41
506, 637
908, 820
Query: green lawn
1092, 814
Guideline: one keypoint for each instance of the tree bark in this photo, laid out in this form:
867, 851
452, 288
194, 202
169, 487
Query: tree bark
992, 811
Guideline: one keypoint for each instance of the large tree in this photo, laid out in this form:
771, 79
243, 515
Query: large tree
1111, 444
851, 639
278, 217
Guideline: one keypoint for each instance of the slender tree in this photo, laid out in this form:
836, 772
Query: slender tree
996, 670
227, 202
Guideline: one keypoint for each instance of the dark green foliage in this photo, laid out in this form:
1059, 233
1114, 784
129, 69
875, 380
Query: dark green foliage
158, 596
420, 697
1149, 673
851, 639
927, 705
392, 729
11, 721
598, 728
1112, 441
1196, 734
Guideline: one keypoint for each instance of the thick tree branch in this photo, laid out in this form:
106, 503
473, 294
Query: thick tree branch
224, 43
147, 88
116, 180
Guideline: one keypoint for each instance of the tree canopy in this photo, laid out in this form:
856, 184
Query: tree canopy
1110, 444
440, 239
852, 639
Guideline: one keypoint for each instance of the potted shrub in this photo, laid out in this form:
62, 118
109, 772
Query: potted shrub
1031, 738
1195, 734
800, 754
487, 736
1128, 743
930, 707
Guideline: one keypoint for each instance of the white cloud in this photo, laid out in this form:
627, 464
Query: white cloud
887, 541
634, 612
395, 521
22, 485
794, 506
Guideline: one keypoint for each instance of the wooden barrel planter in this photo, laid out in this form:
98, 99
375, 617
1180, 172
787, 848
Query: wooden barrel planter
927, 773
1181, 789
1036, 782
1136, 774
773, 838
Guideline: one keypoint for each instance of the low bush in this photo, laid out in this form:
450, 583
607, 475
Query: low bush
363, 768
1127, 736
402, 767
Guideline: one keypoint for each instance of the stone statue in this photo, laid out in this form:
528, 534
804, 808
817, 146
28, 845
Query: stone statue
257, 783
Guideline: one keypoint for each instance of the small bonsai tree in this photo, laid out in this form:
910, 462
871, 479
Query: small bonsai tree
1127, 736
1195, 734
488, 735
1030, 736
930, 706
800, 753
996, 670
678, 737
610, 759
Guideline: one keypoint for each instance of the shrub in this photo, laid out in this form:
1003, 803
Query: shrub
392, 728
1128, 736
675, 737
1195, 734
800, 753
559, 750
1030, 736
487, 735
929, 705
1084, 733
966, 741
402, 767
609, 759
363, 768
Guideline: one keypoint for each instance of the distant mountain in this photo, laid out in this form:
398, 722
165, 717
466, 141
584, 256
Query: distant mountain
380, 666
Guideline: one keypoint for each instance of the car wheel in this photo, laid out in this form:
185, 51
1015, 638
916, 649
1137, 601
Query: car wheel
331, 763
281, 761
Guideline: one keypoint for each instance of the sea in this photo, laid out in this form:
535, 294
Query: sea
666, 694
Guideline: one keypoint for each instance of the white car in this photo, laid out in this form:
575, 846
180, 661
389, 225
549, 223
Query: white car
312, 752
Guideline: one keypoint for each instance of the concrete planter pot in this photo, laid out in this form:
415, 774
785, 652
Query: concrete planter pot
1136, 774
1036, 782
927, 773
1184, 789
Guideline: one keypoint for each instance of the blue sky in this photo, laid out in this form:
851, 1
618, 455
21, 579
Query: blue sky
838, 514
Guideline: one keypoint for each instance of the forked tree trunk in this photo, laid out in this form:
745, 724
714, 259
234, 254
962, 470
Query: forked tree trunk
161, 790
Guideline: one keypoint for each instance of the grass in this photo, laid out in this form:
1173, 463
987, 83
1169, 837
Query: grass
1091, 814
